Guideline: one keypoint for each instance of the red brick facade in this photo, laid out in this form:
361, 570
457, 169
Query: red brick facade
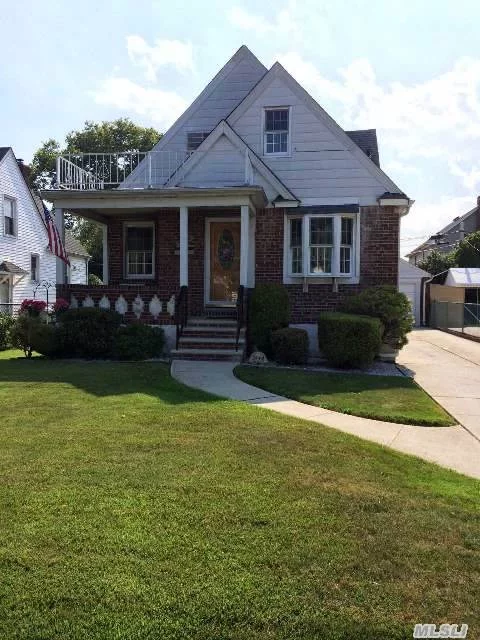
379, 235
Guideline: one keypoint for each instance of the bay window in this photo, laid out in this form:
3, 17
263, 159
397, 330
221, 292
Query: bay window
321, 246
139, 250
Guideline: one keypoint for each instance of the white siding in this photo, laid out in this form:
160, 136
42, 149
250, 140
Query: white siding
77, 272
320, 166
31, 234
209, 111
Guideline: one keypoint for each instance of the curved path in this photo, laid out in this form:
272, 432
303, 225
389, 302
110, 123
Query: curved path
452, 447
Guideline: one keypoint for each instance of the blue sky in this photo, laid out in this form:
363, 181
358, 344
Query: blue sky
411, 69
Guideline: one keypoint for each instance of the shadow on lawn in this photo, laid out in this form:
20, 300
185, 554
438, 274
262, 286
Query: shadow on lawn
103, 378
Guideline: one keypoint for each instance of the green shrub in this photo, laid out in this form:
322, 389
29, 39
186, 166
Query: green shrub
94, 280
348, 340
290, 345
44, 339
269, 310
138, 342
88, 332
392, 307
7, 323
24, 330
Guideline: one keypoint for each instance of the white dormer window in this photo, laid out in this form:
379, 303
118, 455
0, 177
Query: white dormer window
276, 131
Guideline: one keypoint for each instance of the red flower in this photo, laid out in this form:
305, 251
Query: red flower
60, 305
33, 306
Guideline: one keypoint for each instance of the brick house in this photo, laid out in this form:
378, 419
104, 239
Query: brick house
254, 183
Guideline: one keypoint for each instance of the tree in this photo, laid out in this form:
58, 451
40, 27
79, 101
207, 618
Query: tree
468, 251
437, 262
95, 137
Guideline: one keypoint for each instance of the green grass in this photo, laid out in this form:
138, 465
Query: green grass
389, 398
133, 508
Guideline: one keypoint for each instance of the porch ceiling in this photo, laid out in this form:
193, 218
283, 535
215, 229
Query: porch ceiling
106, 204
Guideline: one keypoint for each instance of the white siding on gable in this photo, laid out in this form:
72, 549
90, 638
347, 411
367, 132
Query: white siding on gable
31, 236
216, 106
77, 273
320, 165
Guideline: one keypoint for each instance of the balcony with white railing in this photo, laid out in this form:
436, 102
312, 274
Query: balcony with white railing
91, 171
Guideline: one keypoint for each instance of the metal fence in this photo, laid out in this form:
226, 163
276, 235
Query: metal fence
456, 316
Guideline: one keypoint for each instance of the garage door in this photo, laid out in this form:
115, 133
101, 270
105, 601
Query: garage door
410, 290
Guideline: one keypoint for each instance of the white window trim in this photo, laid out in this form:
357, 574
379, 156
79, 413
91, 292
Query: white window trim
15, 216
283, 154
37, 256
316, 278
134, 276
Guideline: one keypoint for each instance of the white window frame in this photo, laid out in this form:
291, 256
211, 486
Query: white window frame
135, 276
278, 154
37, 256
351, 278
14, 217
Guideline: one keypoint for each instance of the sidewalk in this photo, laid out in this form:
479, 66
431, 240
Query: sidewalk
451, 447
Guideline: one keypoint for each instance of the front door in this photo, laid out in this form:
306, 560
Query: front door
223, 268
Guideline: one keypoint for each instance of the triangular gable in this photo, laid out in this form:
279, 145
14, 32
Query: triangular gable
278, 71
225, 149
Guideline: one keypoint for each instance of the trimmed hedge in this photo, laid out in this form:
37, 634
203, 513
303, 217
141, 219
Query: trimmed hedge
290, 345
348, 340
269, 310
7, 323
138, 342
88, 332
392, 307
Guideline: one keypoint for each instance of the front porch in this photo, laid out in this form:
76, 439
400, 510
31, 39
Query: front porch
168, 264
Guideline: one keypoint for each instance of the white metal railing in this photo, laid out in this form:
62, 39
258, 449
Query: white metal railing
109, 170
135, 169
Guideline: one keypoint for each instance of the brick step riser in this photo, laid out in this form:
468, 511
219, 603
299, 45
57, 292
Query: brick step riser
185, 344
221, 335
212, 356
207, 324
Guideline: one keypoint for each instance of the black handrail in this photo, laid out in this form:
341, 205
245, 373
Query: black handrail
181, 312
241, 313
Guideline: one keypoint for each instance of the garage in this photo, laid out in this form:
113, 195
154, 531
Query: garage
410, 282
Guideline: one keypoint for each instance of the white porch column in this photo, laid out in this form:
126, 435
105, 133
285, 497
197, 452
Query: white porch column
61, 266
105, 254
183, 246
244, 243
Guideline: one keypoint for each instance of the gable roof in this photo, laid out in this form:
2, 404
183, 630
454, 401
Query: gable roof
74, 247
366, 139
242, 54
224, 129
277, 70
408, 270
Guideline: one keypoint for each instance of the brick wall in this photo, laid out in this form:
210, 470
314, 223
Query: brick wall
379, 233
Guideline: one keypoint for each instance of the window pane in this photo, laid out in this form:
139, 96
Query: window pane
347, 231
297, 260
34, 267
296, 232
9, 226
345, 259
321, 259
276, 120
321, 231
8, 207
139, 238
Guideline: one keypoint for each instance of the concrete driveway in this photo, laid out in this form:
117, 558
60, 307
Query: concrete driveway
448, 368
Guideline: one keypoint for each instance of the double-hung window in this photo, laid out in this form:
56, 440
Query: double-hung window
139, 250
276, 133
9, 216
34, 267
322, 245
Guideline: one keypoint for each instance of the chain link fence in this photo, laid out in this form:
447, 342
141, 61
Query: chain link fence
456, 316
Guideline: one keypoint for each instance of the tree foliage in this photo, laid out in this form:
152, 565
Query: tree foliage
95, 137
468, 251
437, 262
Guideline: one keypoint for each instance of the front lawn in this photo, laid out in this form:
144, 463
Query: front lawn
389, 398
134, 508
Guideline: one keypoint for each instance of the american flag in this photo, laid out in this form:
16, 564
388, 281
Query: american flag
55, 243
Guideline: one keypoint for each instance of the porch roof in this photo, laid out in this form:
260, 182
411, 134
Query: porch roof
108, 202
7, 267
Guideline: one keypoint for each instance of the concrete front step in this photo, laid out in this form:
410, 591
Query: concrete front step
229, 355
225, 332
211, 322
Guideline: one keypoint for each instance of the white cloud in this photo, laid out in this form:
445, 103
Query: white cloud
284, 22
161, 107
163, 53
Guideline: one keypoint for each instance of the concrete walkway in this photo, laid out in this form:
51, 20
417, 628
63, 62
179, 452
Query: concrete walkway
451, 447
448, 368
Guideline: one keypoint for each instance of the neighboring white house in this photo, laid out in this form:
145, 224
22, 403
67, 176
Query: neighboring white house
410, 282
25, 260
77, 272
